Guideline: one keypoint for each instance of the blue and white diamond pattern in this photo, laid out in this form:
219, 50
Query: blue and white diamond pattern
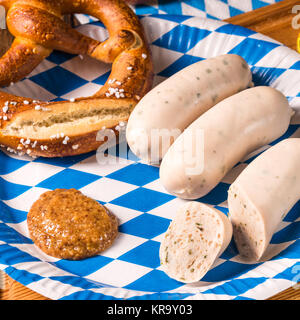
130, 269
213, 9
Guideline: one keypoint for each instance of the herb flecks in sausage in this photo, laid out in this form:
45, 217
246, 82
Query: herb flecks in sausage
196, 252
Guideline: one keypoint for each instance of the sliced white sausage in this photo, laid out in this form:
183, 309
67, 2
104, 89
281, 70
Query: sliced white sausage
262, 195
196, 237
220, 138
171, 106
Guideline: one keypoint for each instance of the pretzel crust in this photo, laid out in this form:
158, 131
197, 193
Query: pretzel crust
40, 128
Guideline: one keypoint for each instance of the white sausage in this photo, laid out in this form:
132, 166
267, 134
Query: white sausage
175, 103
262, 195
196, 237
220, 138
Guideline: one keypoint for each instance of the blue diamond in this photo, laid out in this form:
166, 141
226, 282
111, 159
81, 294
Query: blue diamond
58, 81
155, 281
11, 255
10, 235
253, 50
142, 199
147, 255
59, 57
200, 5
67, 179
182, 38
11, 215
227, 270
296, 65
234, 11
217, 195
291, 252
145, 226
142, 10
9, 164
10, 190
138, 174
256, 4
291, 273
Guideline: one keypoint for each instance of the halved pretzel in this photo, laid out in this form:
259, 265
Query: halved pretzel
70, 127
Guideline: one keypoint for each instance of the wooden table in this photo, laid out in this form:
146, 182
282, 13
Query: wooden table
274, 21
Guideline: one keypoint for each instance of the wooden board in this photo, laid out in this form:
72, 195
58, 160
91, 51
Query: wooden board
274, 21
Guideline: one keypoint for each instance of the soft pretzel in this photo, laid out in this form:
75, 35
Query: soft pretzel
70, 127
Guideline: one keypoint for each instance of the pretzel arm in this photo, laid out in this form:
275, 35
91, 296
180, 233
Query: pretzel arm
133, 68
131, 71
21, 58
48, 30
122, 24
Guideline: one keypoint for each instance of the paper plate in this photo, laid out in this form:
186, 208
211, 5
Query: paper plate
130, 269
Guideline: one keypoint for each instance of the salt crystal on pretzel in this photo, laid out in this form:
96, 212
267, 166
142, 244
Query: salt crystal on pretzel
79, 120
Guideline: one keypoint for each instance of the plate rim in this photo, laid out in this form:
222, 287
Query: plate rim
47, 284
